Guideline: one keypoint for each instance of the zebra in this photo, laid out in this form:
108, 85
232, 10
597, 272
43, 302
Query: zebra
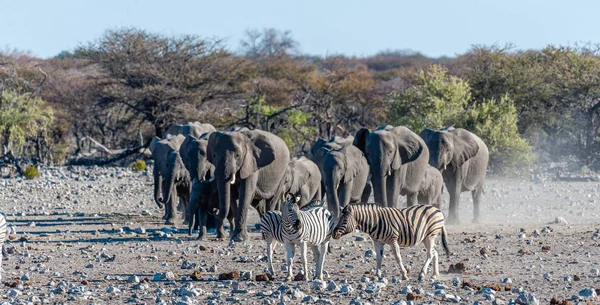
3, 233
397, 228
312, 227
271, 226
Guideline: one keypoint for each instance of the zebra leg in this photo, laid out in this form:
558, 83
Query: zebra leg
289, 247
429, 243
396, 251
303, 256
476, 204
436, 266
379, 250
321, 249
270, 247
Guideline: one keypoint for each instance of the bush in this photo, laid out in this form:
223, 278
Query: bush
31, 172
495, 122
138, 165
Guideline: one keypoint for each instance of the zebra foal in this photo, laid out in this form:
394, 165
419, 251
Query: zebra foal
397, 228
305, 227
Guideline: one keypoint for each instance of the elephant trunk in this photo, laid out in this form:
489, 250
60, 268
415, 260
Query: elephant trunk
333, 201
224, 188
158, 190
378, 179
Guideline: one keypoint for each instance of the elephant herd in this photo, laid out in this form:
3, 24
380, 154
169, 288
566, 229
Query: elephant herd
216, 175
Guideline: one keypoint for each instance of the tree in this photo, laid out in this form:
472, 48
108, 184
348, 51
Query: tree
21, 116
160, 79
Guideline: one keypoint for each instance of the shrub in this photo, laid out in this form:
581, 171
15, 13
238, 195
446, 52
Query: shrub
138, 165
31, 172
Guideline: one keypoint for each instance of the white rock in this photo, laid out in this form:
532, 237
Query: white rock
14, 293
113, 290
319, 285
560, 220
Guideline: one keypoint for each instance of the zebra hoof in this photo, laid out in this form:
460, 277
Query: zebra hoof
405, 277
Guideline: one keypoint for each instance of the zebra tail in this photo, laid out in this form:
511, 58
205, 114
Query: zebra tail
445, 241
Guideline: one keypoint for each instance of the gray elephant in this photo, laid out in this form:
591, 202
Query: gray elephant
166, 168
254, 162
462, 157
195, 129
430, 191
302, 177
398, 161
194, 151
204, 202
321, 147
346, 173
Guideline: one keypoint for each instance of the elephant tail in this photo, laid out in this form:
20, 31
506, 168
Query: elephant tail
445, 241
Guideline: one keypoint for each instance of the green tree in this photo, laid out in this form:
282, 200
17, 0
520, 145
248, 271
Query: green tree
22, 116
439, 99
436, 100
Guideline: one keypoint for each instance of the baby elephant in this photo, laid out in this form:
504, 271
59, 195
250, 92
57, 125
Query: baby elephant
204, 202
430, 191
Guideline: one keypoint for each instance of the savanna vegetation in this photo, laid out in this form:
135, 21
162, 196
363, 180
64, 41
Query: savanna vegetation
528, 105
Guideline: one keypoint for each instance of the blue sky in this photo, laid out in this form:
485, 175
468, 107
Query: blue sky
435, 28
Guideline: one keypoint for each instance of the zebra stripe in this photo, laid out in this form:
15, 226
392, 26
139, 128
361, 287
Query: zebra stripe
397, 228
3, 233
271, 226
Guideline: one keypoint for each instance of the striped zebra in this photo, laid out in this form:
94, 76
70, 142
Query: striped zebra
3, 233
271, 226
397, 228
312, 227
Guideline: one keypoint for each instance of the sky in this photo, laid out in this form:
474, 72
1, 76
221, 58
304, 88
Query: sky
354, 28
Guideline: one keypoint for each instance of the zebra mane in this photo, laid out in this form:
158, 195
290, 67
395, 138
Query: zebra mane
312, 205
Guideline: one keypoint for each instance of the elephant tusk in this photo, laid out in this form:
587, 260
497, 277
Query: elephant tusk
445, 166
232, 179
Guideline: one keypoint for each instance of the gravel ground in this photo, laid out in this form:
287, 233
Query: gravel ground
94, 236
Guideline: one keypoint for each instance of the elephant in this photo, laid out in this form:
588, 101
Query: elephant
346, 173
302, 177
167, 170
193, 151
195, 129
398, 159
430, 191
462, 157
254, 162
204, 202
320, 147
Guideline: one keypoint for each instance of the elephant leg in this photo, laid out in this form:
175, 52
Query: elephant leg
203, 217
171, 209
411, 199
366, 194
247, 191
454, 189
477, 204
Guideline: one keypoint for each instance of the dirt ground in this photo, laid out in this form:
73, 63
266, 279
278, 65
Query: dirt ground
94, 236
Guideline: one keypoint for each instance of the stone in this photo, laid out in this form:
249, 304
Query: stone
196, 275
347, 289
587, 293
319, 285
526, 298
233, 275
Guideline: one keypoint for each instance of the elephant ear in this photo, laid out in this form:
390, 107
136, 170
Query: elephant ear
409, 144
353, 162
427, 135
317, 145
260, 152
153, 144
465, 146
360, 140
